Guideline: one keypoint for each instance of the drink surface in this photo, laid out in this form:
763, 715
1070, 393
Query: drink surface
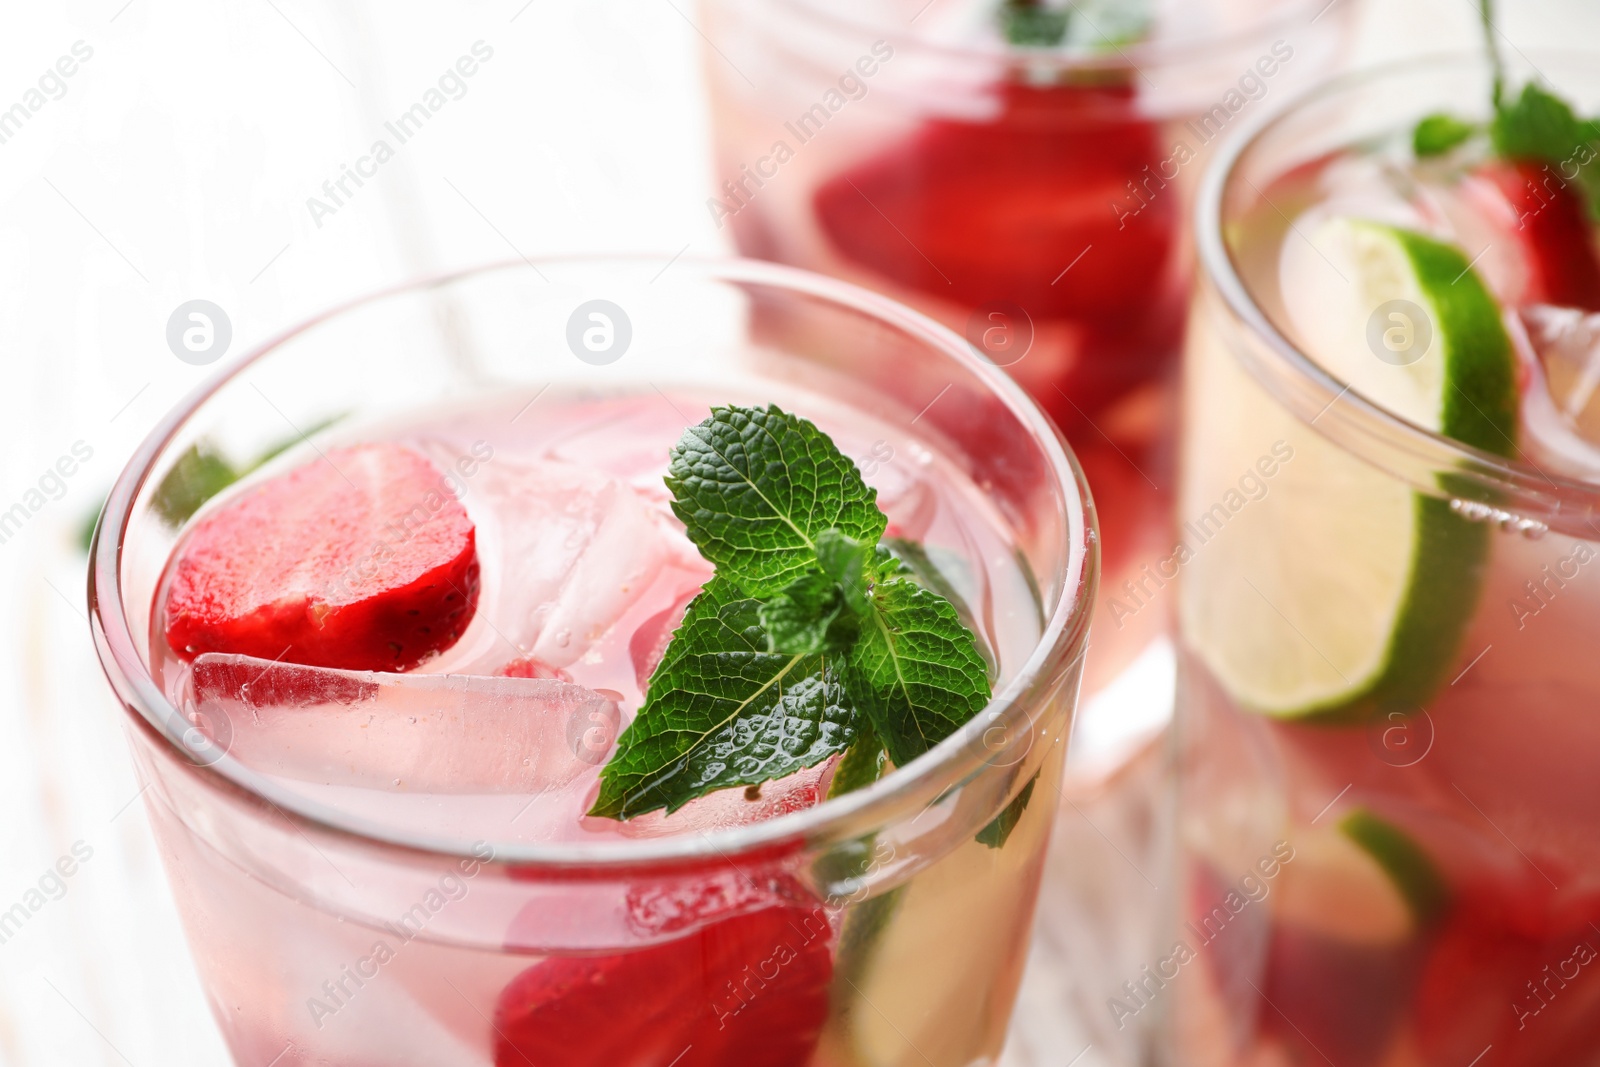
1397, 867
585, 574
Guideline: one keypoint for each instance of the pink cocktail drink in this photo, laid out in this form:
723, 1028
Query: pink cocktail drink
388, 674
1386, 809
1023, 172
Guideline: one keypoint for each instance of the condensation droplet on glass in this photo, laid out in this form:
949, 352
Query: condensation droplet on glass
563, 638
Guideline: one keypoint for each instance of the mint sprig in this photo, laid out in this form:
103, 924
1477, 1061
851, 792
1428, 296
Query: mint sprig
1031, 24
1540, 126
810, 639
1535, 125
995, 834
1104, 25
1438, 134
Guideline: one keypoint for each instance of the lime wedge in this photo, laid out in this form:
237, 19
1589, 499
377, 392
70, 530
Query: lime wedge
1314, 583
1363, 881
961, 921
1335, 890
1416, 330
1404, 861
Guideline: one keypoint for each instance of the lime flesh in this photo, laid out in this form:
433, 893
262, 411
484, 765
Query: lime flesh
1339, 590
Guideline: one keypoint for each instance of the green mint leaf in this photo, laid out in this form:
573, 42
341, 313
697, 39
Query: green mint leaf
1029, 24
86, 527
1538, 125
1101, 25
1438, 134
839, 870
724, 711
999, 830
915, 669
755, 487
862, 765
864, 926
283, 444
801, 619
940, 576
199, 473
811, 639
845, 560
1108, 25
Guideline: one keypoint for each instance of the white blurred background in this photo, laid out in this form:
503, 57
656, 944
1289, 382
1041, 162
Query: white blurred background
174, 164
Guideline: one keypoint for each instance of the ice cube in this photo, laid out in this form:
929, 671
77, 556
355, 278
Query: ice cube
1472, 211
574, 549
727, 807
418, 733
1567, 342
1458, 206
1561, 399
907, 497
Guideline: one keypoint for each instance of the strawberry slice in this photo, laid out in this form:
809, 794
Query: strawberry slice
533, 667
1325, 996
1512, 968
1547, 219
649, 642
994, 210
362, 561
750, 991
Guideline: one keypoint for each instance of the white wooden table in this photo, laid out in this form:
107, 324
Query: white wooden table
175, 163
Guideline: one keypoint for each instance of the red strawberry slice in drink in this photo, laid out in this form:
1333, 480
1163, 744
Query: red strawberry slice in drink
1547, 220
995, 212
362, 560
1516, 966
649, 642
750, 991
1329, 997
533, 667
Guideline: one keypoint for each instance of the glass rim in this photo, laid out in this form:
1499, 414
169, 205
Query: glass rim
906, 790
1322, 401
1081, 57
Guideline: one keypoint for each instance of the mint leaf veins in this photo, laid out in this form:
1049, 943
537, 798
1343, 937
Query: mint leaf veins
725, 710
812, 639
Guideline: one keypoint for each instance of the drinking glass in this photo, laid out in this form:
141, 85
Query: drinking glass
353, 927
1409, 876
